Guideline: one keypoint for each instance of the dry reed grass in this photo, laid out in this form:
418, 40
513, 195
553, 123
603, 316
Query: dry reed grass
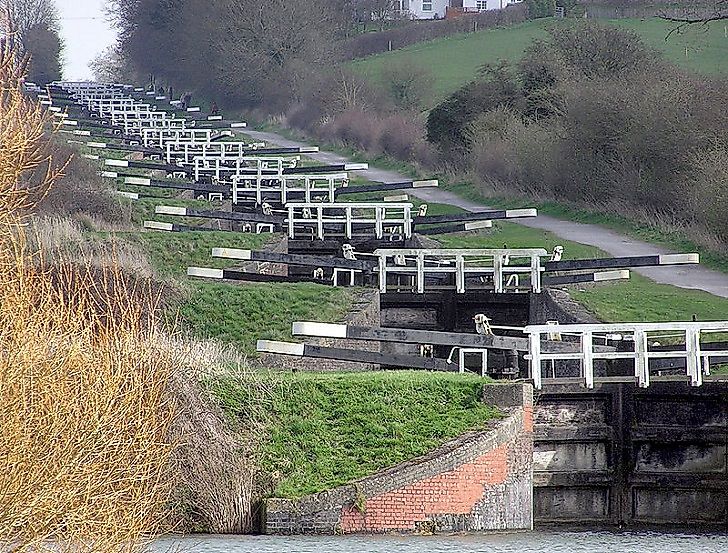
61, 238
85, 376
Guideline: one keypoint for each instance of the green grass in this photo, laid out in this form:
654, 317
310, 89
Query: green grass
171, 253
235, 313
454, 61
707, 46
328, 429
143, 208
642, 300
241, 314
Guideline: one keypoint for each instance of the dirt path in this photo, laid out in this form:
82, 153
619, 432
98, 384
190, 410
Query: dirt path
693, 277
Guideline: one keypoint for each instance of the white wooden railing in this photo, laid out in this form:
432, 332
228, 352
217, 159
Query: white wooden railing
503, 265
324, 220
678, 341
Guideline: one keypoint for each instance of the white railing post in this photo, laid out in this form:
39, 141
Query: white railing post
536, 274
382, 273
460, 274
534, 339
587, 352
693, 360
420, 272
641, 361
349, 227
320, 222
497, 273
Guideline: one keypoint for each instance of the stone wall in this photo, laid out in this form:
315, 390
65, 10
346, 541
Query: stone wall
480, 481
557, 305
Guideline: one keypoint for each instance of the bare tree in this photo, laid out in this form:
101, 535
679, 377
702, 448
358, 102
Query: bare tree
111, 66
718, 12
27, 14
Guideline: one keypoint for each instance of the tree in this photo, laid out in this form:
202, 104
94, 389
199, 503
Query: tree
719, 12
35, 23
110, 66
26, 14
44, 47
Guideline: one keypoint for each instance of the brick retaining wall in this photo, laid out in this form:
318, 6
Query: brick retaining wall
480, 481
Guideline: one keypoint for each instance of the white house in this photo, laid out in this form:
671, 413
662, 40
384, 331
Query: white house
436, 9
424, 9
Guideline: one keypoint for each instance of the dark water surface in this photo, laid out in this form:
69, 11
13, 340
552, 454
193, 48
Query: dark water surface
557, 541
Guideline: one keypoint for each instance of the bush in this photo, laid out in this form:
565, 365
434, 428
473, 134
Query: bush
80, 193
596, 50
400, 135
592, 116
408, 86
355, 128
447, 123
540, 8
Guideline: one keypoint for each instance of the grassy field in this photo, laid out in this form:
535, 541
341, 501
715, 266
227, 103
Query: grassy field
455, 60
329, 429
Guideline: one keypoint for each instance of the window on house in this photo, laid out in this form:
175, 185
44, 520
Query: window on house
481, 5
426, 5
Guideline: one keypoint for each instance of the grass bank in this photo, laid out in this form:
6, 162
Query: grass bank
454, 61
325, 430
235, 313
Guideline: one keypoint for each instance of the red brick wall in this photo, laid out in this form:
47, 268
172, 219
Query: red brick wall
454, 492
528, 418
480, 481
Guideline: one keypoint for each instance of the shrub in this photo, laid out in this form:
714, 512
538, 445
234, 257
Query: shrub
80, 192
447, 123
356, 128
597, 50
400, 134
84, 442
540, 8
408, 86
601, 121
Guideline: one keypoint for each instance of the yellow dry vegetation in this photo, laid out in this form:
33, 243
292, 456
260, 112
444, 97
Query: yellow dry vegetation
85, 406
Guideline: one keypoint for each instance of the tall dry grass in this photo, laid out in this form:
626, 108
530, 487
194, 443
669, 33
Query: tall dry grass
85, 403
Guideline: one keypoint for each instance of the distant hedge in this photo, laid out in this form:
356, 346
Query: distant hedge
412, 33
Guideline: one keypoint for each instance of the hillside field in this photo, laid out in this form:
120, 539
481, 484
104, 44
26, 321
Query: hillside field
455, 60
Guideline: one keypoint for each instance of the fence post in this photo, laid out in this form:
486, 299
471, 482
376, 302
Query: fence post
588, 358
641, 361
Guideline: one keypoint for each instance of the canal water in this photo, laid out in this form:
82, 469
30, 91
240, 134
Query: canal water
540, 541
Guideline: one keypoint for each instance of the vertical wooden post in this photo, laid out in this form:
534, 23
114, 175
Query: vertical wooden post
587, 358
641, 362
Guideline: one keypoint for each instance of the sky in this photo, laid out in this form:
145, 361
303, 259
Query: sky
85, 32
